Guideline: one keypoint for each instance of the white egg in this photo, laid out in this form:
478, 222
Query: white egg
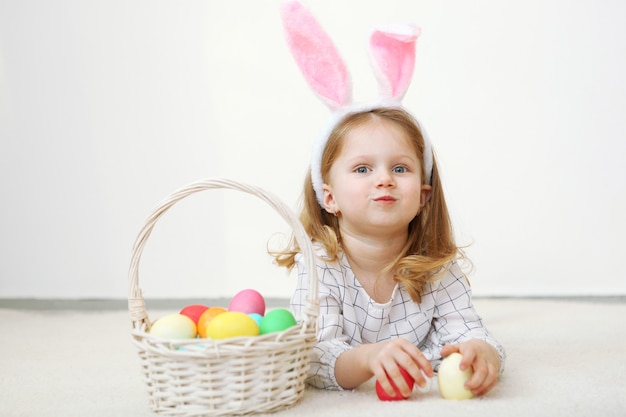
174, 326
451, 379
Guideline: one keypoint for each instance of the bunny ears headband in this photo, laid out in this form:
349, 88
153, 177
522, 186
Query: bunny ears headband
392, 52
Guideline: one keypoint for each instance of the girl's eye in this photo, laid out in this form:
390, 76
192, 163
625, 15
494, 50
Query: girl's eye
361, 170
400, 170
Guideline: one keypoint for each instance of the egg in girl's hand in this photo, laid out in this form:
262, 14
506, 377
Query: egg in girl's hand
174, 326
382, 394
231, 324
194, 311
248, 301
451, 379
277, 320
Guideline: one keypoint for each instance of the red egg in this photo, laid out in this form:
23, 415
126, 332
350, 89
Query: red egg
248, 301
385, 397
194, 311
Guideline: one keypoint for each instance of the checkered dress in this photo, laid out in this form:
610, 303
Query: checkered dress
349, 317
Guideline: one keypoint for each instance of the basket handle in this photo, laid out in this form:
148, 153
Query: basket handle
136, 303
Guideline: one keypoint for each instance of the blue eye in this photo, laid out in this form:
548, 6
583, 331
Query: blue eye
361, 170
400, 170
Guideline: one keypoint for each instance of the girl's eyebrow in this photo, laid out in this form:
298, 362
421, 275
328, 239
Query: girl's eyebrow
358, 157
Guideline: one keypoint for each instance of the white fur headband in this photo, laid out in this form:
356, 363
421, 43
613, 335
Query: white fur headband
392, 53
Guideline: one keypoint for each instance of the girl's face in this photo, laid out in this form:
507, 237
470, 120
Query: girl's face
375, 183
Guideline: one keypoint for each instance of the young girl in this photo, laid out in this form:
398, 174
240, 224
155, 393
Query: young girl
391, 292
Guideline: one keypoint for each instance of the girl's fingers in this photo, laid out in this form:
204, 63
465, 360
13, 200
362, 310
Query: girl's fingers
448, 349
400, 382
391, 375
478, 378
418, 367
483, 380
397, 356
383, 380
469, 357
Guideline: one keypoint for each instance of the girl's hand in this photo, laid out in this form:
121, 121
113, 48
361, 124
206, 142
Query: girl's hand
385, 358
484, 360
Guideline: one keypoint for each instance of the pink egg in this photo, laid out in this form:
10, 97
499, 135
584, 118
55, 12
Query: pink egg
248, 301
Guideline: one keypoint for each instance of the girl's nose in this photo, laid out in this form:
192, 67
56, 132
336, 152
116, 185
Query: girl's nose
385, 179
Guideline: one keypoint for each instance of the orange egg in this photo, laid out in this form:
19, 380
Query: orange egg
206, 318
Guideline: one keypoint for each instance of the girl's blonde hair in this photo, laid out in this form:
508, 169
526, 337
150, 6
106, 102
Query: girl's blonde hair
430, 245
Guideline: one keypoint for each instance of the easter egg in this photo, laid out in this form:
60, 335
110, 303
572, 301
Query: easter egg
248, 301
382, 394
206, 317
451, 379
174, 326
257, 317
231, 324
277, 320
194, 311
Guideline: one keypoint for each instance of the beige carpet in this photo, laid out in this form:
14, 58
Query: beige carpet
565, 358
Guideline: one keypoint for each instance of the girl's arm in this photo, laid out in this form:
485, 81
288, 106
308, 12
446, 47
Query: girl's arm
459, 328
332, 341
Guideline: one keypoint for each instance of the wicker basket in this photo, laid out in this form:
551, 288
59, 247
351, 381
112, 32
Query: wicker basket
244, 375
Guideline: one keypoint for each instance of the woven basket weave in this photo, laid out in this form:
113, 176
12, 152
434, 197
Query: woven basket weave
244, 375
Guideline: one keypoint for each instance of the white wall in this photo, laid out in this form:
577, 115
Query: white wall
108, 106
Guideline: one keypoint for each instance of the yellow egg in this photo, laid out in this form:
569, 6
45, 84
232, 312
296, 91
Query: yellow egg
232, 324
174, 326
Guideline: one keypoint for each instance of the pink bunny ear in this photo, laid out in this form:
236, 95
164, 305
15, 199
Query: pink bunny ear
316, 55
392, 51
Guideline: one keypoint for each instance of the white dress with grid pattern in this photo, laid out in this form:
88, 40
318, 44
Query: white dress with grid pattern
349, 317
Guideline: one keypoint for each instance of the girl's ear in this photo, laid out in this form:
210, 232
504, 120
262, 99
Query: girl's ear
427, 192
316, 55
329, 200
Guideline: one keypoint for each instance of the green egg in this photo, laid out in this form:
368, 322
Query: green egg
276, 321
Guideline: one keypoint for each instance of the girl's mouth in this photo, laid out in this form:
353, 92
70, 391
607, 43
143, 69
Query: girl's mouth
385, 199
